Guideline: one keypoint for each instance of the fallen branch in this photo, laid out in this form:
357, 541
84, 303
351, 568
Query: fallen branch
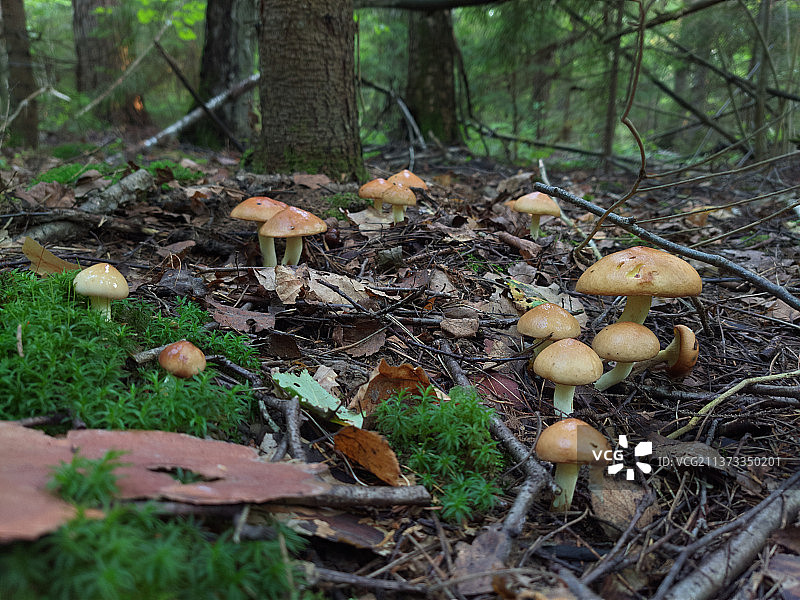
629, 225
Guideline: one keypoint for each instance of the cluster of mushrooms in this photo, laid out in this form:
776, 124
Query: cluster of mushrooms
639, 274
397, 191
103, 283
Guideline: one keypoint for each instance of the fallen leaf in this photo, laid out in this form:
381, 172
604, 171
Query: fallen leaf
362, 337
44, 262
500, 387
371, 451
288, 284
371, 223
245, 321
313, 396
487, 552
178, 248
326, 377
460, 328
385, 381
312, 181
614, 504
785, 570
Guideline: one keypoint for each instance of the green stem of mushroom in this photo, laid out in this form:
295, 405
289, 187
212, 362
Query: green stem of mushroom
620, 371
566, 478
377, 204
636, 309
294, 248
268, 256
669, 354
541, 345
562, 399
102, 305
398, 213
535, 231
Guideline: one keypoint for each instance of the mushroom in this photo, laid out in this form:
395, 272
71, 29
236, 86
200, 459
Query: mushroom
293, 224
261, 209
182, 359
548, 322
536, 204
373, 190
624, 342
567, 363
681, 354
408, 179
399, 196
569, 444
640, 273
102, 283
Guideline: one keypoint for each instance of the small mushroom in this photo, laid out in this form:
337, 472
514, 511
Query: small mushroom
261, 209
293, 224
547, 323
640, 273
536, 204
568, 444
399, 196
408, 179
373, 190
567, 363
682, 352
625, 343
102, 283
182, 359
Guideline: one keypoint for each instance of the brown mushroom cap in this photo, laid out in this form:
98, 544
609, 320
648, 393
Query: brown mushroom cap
548, 321
373, 190
399, 195
101, 281
257, 208
689, 351
182, 359
536, 203
293, 222
640, 271
568, 362
572, 441
625, 342
408, 179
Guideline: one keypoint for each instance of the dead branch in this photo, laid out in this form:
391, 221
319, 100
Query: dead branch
355, 495
629, 225
359, 581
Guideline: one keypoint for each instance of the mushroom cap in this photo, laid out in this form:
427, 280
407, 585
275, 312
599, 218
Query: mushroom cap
408, 179
292, 222
257, 208
568, 362
536, 203
373, 190
640, 271
548, 321
182, 359
399, 195
572, 441
625, 342
688, 354
102, 281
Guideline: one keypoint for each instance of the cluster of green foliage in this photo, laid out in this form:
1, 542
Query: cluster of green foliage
133, 553
48, 336
68, 174
346, 201
447, 444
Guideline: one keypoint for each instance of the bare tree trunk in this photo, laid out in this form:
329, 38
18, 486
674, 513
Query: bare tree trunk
25, 128
307, 89
430, 87
613, 79
759, 115
228, 57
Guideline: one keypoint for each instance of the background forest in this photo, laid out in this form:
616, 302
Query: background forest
514, 80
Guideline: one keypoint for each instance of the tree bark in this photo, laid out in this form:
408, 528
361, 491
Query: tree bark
615, 14
228, 57
24, 130
430, 87
307, 88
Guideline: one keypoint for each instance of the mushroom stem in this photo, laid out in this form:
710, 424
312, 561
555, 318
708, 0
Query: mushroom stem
636, 309
398, 213
669, 354
101, 305
268, 256
541, 345
566, 478
377, 204
620, 371
294, 248
535, 231
562, 399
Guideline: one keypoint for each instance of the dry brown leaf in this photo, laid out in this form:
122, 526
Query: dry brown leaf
371, 451
44, 262
371, 223
487, 553
385, 381
312, 181
288, 284
245, 321
460, 328
362, 337
614, 504
326, 377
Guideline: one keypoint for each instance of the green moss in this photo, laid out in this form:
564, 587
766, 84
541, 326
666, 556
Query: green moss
447, 444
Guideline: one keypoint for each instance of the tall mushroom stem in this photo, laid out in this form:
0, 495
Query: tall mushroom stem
636, 309
620, 371
534, 228
294, 248
566, 478
562, 399
268, 256
398, 213
101, 305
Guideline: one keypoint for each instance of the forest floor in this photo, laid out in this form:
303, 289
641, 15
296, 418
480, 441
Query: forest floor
442, 292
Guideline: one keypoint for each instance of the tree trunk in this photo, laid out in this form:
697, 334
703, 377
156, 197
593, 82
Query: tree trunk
24, 130
307, 88
228, 57
430, 87
613, 20
759, 115
102, 55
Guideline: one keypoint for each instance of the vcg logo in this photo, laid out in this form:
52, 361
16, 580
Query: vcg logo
616, 457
